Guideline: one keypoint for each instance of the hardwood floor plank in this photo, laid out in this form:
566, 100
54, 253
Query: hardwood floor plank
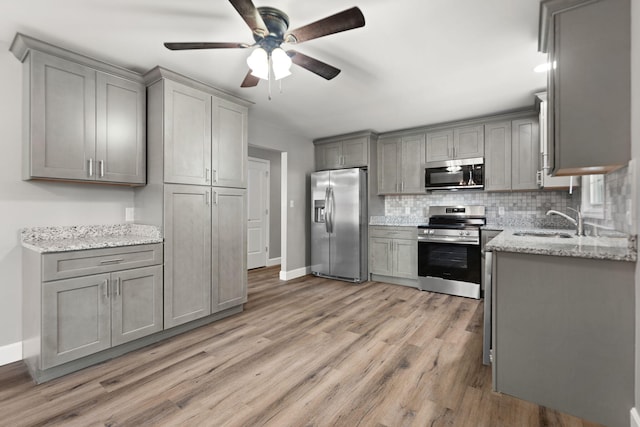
305, 352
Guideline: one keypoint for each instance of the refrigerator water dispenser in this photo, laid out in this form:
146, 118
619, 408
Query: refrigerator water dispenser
318, 210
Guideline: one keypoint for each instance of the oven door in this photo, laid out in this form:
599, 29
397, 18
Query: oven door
444, 265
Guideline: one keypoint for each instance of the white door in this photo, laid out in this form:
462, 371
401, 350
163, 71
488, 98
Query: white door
257, 213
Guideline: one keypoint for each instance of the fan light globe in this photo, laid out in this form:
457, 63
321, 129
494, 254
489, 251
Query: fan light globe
281, 63
258, 61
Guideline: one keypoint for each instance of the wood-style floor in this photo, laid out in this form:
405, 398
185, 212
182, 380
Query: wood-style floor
306, 352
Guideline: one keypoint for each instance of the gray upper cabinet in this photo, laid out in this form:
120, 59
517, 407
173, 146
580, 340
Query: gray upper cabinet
187, 134
342, 152
229, 144
497, 156
524, 154
400, 164
187, 272
229, 261
203, 133
464, 142
588, 43
120, 130
511, 155
84, 119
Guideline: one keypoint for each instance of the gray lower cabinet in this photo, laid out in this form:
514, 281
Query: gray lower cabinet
400, 164
205, 251
84, 119
393, 254
229, 254
511, 155
187, 273
561, 328
100, 302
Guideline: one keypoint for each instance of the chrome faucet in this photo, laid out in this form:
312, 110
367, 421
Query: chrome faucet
578, 222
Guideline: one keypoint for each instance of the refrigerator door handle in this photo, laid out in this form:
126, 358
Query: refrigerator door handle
326, 210
330, 211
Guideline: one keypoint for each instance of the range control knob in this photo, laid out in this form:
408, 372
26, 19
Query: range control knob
432, 231
462, 233
466, 233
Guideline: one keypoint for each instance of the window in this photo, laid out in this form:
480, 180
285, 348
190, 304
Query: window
593, 196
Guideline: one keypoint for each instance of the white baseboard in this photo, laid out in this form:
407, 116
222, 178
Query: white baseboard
294, 274
635, 418
10, 353
274, 261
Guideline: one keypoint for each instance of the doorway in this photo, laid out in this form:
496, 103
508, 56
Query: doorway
258, 212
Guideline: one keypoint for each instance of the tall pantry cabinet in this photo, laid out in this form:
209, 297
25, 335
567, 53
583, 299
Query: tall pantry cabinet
196, 174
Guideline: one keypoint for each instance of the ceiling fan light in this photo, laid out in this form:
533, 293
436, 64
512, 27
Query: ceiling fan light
258, 61
281, 63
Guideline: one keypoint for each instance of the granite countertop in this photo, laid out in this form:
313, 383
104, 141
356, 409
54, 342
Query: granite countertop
74, 238
398, 221
607, 248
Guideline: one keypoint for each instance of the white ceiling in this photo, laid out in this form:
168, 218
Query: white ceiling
416, 62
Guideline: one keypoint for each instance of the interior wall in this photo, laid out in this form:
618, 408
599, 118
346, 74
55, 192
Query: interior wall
299, 165
274, 196
31, 203
635, 151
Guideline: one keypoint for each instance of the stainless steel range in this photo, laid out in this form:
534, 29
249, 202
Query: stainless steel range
449, 257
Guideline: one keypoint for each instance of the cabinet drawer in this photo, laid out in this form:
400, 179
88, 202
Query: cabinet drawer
62, 265
394, 232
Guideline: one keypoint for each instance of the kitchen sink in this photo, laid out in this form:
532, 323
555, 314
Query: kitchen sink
555, 234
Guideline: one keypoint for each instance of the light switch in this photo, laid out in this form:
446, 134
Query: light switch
291, 204
501, 210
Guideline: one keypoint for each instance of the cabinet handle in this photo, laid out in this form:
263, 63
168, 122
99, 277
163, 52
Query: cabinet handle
119, 287
101, 164
111, 261
215, 176
206, 198
402, 186
453, 150
215, 197
207, 175
106, 288
90, 167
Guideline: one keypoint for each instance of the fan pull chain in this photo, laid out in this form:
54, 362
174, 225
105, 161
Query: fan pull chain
269, 76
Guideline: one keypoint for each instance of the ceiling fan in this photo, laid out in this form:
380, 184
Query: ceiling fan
270, 28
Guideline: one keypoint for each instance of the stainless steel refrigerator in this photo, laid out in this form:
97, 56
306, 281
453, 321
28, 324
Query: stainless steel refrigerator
339, 224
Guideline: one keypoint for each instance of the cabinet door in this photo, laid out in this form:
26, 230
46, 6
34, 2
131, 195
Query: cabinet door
137, 304
439, 145
355, 152
405, 258
229, 144
380, 260
75, 318
524, 153
468, 142
187, 135
120, 130
229, 253
412, 165
63, 119
497, 156
187, 269
388, 164
328, 156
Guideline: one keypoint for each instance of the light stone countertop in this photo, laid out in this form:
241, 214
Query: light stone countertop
607, 248
75, 238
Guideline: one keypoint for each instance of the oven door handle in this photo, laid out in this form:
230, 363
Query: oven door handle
455, 240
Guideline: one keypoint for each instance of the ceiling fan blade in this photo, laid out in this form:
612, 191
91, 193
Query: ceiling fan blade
315, 66
251, 16
204, 45
250, 80
342, 21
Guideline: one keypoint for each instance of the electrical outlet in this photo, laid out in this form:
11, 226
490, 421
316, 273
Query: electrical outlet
129, 214
500, 210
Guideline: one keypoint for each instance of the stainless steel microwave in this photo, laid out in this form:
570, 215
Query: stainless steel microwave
461, 174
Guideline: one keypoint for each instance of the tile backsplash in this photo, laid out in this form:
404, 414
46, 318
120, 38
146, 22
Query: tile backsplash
522, 208
528, 208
